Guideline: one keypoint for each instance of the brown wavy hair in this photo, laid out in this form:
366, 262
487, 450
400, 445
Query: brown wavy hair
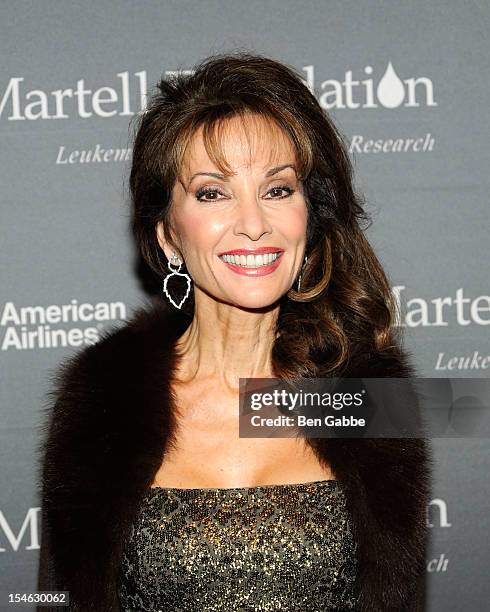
345, 303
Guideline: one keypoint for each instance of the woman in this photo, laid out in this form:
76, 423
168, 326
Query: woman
244, 208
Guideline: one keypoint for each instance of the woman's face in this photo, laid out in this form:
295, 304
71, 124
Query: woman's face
242, 237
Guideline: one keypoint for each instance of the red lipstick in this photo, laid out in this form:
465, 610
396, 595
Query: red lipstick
262, 270
258, 251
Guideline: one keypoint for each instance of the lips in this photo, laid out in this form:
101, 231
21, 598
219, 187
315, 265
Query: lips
258, 251
252, 259
253, 262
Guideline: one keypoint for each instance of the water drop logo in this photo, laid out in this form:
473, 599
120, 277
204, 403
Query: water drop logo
391, 90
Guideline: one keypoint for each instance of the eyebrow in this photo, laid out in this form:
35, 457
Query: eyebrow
217, 175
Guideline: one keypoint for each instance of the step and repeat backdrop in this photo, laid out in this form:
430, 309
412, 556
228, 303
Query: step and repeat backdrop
406, 83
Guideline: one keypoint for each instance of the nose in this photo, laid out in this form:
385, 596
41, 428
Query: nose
251, 221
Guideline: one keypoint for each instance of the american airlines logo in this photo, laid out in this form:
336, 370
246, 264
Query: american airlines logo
127, 94
57, 325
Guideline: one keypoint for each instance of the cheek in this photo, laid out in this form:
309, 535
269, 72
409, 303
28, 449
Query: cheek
294, 222
198, 232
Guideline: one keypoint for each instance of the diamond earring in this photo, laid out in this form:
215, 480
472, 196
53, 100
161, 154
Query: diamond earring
176, 261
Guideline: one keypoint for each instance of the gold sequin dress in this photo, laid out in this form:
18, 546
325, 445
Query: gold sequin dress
271, 547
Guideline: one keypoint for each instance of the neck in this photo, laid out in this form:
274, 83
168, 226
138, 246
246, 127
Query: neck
226, 343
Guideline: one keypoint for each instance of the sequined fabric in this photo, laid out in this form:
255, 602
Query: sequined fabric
272, 547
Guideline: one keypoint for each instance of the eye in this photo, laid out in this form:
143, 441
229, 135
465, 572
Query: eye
204, 191
201, 194
289, 191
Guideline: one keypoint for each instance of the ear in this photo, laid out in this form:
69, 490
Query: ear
165, 243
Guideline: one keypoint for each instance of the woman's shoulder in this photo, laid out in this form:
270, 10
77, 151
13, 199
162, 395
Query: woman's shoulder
92, 392
86, 383
119, 345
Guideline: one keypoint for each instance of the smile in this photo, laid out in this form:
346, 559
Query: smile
247, 264
251, 261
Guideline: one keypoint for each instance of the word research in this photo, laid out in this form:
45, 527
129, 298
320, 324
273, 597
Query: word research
39, 327
61, 103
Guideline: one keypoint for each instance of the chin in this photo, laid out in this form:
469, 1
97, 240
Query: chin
257, 300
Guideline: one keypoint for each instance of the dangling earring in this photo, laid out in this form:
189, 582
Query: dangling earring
299, 278
176, 261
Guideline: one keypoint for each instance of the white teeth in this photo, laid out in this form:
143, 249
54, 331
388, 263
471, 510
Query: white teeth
251, 261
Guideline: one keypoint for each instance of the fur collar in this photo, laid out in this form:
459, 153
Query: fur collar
105, 436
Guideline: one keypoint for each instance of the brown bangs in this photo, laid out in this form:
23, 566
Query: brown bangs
255, 125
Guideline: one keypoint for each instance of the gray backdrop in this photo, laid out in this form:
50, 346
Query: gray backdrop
406, 82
